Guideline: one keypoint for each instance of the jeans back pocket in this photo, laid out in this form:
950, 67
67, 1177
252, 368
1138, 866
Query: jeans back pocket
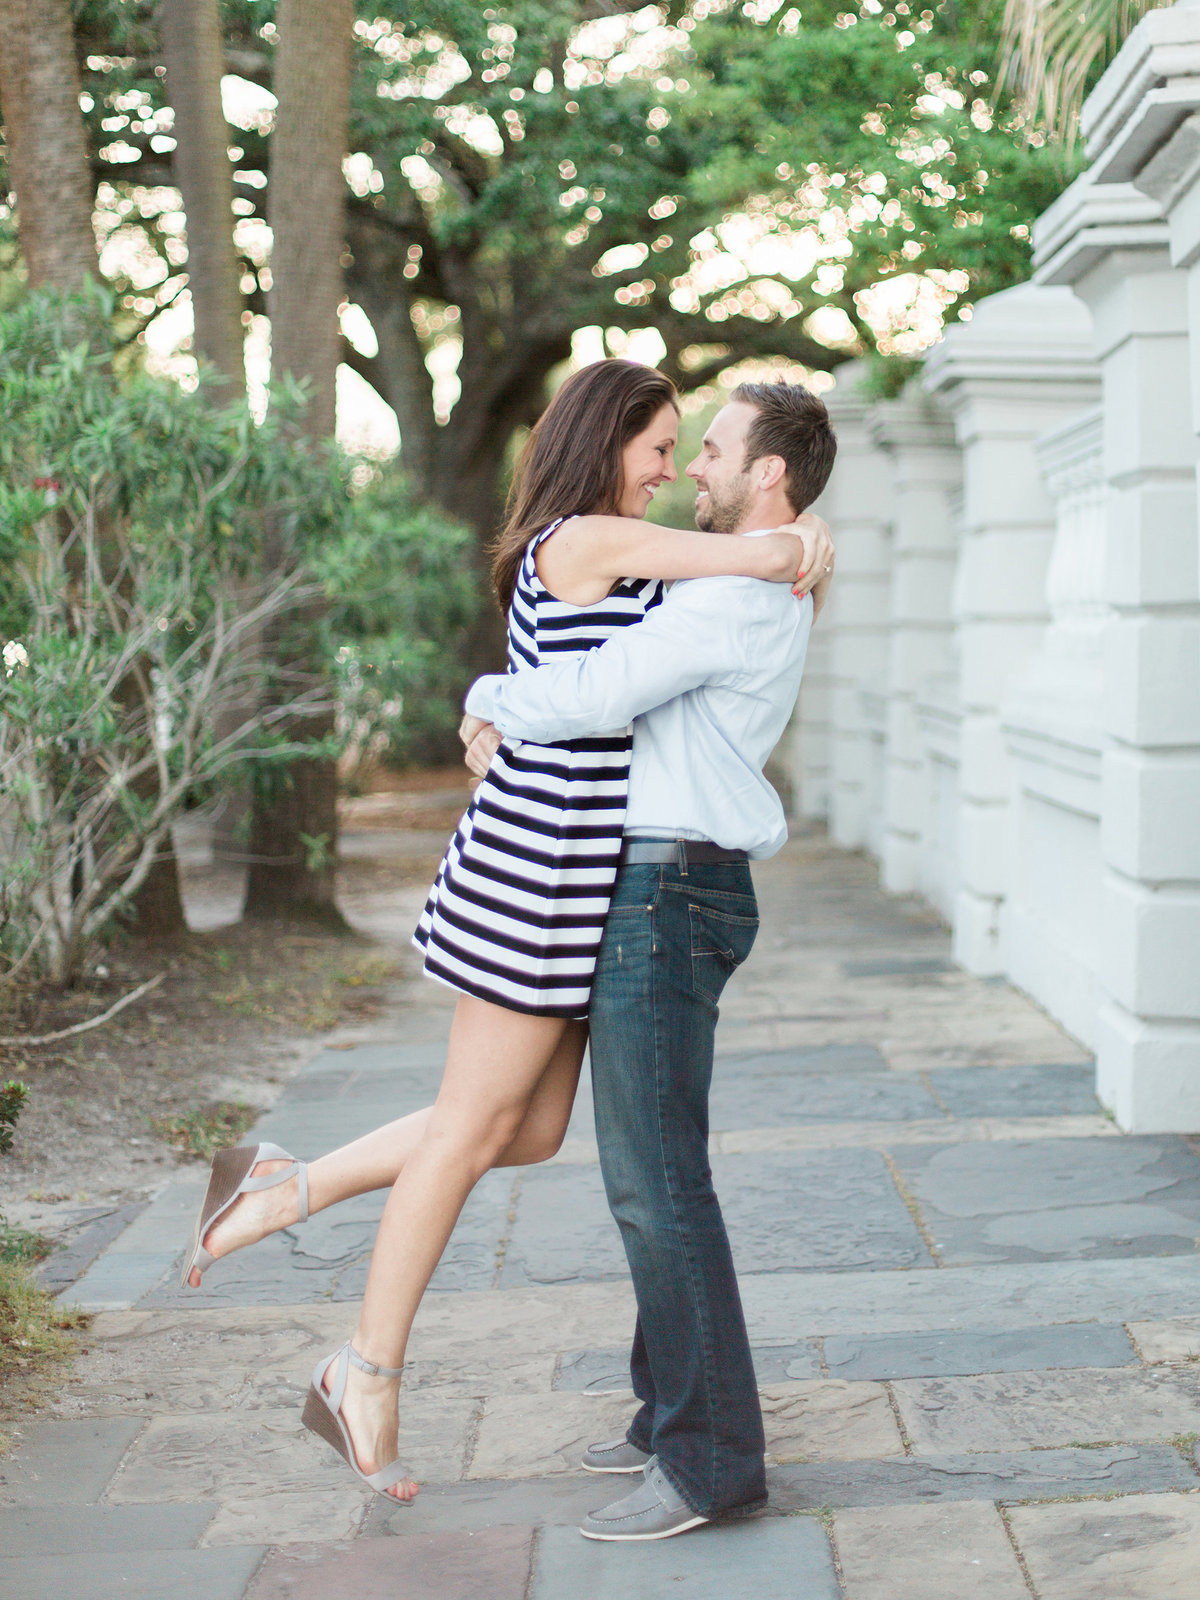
721, 941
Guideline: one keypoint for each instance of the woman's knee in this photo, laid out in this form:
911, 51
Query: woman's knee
477, 1137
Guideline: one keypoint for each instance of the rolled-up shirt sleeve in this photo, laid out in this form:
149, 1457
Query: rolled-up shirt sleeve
686, 641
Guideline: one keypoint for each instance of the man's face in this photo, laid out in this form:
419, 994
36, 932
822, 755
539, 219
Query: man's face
723, 485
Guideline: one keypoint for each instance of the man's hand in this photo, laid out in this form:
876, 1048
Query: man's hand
469, 727
816, 571
482, 748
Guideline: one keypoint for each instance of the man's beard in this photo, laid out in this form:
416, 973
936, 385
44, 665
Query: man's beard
721, 510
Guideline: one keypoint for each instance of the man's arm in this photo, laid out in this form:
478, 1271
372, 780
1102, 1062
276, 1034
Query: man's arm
696, 634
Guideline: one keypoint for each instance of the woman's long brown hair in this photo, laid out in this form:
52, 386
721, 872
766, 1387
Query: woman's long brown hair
571, 463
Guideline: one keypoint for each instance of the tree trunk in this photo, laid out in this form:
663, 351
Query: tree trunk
306, 197
192, 50
47, 147
48, 160
191, 41
293, 835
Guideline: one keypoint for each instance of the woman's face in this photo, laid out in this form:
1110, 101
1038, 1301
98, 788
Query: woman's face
648, 460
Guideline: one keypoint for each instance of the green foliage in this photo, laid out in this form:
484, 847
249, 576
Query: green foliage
402, 599
147, 541
13, 1096
16, 1244
617, 135
206, 1129
513, 146
1055, 50
34, 1327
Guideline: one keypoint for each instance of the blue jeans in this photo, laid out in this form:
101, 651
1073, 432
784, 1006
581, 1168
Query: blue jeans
671, 941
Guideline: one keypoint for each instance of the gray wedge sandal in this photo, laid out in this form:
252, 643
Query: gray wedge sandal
322, 1415
230, 1178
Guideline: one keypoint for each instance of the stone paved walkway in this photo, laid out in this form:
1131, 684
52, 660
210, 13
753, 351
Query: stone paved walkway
973, 1304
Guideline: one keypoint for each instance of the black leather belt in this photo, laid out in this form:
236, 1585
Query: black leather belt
660, 852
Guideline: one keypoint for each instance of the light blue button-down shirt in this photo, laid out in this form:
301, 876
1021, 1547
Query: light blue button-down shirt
708, 680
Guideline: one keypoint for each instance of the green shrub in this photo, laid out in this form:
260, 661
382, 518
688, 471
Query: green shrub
150, 541
13, 1096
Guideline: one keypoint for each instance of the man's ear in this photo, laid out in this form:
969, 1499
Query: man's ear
771, 471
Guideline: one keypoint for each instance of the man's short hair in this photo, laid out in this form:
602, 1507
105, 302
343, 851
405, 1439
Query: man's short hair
792, 423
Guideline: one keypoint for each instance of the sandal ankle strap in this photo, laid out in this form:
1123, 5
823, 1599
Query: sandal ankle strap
370, 1367
269, 1180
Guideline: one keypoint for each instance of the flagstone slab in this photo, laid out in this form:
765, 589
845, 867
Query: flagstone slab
1051, 1198
1009, 1477
387, 1058
771, 1559
166, 1223
472, 1256
898, 967
118, 1280
391, 1093
955, 1547
884, 1135
1146, 1548
1038, 1091
323, 1517
563, 1232
784, 1306
829, 1420
808, 1209
66, 1463
822, 1058
1177, 1339
95, 1233
595, 1371
781, 1099
44, 1530
563, 1499
131, 1574
523, 1436
491, 1565
233, 1454
953, 1354
311, 1128
1032, 1410
607, 1371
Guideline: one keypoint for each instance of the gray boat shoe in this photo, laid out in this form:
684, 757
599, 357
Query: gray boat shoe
653, 1511
618, 1455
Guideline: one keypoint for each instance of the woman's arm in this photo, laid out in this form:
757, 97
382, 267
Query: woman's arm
583, 559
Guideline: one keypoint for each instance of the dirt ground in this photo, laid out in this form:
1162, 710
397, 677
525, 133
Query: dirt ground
241, 1005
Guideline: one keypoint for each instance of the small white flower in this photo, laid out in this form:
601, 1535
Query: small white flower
15, 657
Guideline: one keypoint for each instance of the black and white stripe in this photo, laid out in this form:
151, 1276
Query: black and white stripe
517, 909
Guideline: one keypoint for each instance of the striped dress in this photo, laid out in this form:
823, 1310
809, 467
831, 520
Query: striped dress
517, 910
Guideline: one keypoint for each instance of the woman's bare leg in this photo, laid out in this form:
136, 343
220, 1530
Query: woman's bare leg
495, 1061
376, 1160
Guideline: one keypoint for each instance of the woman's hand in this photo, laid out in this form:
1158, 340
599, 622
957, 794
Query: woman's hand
803, 551
816, 574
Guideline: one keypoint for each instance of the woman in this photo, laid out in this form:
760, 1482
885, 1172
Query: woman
514, 919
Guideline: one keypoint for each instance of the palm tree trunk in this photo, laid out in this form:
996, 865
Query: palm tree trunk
190, 31
306, 197
47, 147
293, 835
191, 41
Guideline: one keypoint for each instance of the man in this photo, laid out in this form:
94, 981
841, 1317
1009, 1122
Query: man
709, 680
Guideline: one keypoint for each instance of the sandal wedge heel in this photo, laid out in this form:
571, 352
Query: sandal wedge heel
322, 1415
230, 1177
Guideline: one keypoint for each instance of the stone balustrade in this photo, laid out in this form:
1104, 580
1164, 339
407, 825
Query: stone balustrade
1004, 697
